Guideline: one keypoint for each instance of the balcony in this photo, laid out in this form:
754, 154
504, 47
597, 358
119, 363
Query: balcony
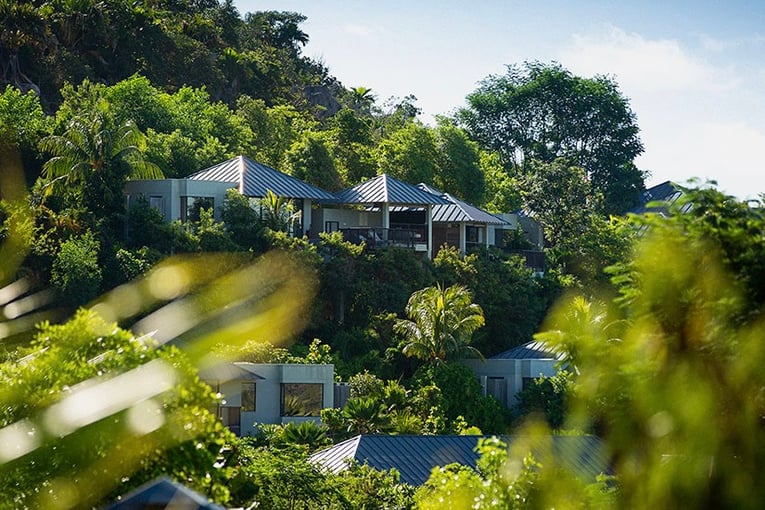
409, 237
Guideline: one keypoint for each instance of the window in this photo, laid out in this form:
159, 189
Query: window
231, 418
497, 388
302, 399
528, 382
157, 202
331, 226
190, 207
473, 234
248, 397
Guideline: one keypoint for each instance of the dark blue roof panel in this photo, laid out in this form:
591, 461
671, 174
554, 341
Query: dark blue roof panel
415, 456
529, 350
664, 194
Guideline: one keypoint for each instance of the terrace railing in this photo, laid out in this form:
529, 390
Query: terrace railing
379, 238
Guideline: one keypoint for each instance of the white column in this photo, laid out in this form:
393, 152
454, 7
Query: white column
463, 238
430, 230
307, 215
386, 215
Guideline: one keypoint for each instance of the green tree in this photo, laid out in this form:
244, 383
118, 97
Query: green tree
365, 415
458, 164
668, 371
361, 100
76, 273
543, 112
277, 212
88, 458
310, 160
243, 222
94, 157
277, 478
503, 193
440, 325
408, 154
460, 399
488, 486
547, 396
560, 198
352, 144
308, 433
22, 125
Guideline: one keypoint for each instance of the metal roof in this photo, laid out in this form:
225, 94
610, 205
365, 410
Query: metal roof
667, 193
387, 189
457, 211
163, 493
254, 179
414, 457
529, 350
229, 372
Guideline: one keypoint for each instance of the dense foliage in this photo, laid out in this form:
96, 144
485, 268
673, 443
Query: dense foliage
663, 338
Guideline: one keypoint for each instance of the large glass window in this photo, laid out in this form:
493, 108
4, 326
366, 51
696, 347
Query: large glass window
190, 207
248, 397
302, 399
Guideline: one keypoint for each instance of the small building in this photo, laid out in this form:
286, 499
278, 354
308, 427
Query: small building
275, 393
415, 456
463, 225
382, 211
502, 376
175, 198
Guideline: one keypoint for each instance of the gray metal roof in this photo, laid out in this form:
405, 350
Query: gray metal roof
666, 193
228, 372
529, 350
163, 493
387, 189
253, 179
415, 456
457, 211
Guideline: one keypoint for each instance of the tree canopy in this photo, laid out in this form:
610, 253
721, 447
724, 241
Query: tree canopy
542, 112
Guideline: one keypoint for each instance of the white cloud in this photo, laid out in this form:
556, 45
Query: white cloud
363, 32
640, 64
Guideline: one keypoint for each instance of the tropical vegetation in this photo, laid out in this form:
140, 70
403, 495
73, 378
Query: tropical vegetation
659, 316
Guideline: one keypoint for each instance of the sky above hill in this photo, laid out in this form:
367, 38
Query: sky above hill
693, 71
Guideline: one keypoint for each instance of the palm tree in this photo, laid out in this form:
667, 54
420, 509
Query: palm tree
366, 415
362, 99
442, 323
306, 433
94, 157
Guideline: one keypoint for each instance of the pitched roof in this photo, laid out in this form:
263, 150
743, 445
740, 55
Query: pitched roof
254, 179
459, 211
387, 189
163, 493
415, 456
529, 350
667, 192
229, 372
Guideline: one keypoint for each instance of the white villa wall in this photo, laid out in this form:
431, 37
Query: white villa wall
171, 191
513, 371
268, 391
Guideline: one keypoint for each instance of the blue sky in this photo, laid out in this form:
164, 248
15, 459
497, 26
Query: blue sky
694, 71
